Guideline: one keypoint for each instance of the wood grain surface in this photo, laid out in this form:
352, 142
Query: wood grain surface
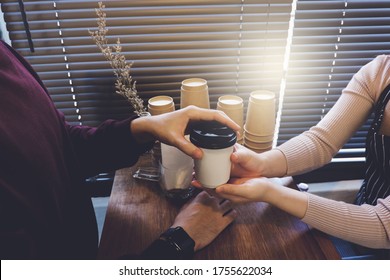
138, 213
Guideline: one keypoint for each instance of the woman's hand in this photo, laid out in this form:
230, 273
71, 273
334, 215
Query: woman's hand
170, 128
245, 163
270, 190
240, 190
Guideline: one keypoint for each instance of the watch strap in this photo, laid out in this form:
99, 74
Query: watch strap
179, 239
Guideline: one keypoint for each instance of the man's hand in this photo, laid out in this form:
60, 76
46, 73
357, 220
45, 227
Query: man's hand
170, 128
204, 218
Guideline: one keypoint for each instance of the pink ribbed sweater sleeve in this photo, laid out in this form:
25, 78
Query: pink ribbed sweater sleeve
366, 225
316, 147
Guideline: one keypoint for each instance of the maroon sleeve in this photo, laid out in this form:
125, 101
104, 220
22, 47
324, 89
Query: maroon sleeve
89, 150
108, 147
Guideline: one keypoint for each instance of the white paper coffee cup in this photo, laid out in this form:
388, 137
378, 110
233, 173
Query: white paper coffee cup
216, 142
214, 167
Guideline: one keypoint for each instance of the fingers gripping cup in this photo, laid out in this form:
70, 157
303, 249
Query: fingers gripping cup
216, 142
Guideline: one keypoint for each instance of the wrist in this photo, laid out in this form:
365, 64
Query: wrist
261, 166
272, 164
139, 127
178, 239
270, 192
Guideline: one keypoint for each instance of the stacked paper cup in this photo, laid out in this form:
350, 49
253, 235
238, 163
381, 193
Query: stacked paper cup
194, 91
233, 107
260, 121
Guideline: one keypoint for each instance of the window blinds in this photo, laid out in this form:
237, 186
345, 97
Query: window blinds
237, 46
331, 41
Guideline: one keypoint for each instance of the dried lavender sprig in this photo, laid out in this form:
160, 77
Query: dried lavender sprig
124, 84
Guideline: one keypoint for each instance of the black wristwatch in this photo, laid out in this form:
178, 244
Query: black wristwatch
180, 241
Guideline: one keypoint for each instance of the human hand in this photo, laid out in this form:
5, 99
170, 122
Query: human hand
245, 162
270, 190
204, 218
242, 190
170, 128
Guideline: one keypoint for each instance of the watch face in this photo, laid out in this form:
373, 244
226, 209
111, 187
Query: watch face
170, 231
176, 234
178, 238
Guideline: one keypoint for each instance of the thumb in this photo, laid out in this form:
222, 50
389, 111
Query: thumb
239, 157
230, 187
231, 192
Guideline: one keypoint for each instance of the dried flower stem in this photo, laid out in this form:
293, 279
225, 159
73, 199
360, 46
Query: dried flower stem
124, 84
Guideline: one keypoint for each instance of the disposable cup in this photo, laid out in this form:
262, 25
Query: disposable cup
259, 151
194, 84
176, 169
262, 97
199, 98
172, 157
155, 112
257, 145
233, 107
160, 104
260, 117
230, 102
175, 178
216, 141
176, 182
258, 138
214, 168
195, 92
236, 115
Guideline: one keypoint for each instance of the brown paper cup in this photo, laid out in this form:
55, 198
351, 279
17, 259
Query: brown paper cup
257, 145
260, 117
233, 107
257, 138
194, 84
160, 104
230, 102
199, 98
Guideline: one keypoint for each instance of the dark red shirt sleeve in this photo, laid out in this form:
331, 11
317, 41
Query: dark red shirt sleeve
108, 147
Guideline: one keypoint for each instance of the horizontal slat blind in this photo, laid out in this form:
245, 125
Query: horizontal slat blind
237, 46
331, 41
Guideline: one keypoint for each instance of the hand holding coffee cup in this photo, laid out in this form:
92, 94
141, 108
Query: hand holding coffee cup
216, 142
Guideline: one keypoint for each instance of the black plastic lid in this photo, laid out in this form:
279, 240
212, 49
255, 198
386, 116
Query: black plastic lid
212, 135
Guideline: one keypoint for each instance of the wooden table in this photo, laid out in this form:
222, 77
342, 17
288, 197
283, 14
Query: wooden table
138, 213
